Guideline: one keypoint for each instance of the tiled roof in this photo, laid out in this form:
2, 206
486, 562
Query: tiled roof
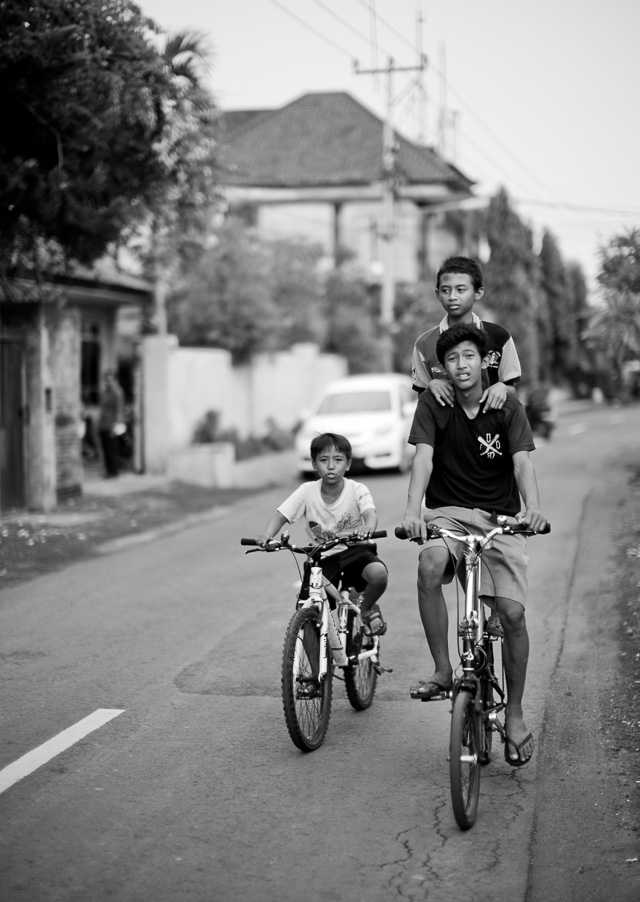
235, 119
323, 140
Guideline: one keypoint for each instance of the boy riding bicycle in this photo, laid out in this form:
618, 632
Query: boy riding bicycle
469, 464
336, 506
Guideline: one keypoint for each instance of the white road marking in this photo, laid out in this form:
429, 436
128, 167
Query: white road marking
577, 429
48, 750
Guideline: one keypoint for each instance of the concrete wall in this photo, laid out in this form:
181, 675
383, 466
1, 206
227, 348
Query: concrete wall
40, 449
180, 385
64, 365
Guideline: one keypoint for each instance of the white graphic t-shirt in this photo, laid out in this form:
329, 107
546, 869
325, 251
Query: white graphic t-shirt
339, 518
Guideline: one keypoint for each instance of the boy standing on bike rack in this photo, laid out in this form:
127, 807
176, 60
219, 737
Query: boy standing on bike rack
470, 464
333, 506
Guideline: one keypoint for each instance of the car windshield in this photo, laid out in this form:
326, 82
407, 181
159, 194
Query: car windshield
356, 402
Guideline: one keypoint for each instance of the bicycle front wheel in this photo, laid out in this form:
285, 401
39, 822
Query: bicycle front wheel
305, 697
488, 704
359, 679
464, 766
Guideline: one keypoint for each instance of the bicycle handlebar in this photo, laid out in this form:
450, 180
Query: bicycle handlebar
433, 532
346, 540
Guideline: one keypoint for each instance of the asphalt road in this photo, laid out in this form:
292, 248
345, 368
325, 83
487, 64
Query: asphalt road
193, 791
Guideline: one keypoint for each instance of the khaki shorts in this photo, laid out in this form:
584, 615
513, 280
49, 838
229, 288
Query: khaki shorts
504, 562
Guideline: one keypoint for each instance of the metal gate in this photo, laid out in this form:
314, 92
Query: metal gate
13, 416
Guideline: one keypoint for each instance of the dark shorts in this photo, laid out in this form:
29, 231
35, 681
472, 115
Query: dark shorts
346, 566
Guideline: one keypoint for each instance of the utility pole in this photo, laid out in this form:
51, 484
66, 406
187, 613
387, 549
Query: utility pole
388, 208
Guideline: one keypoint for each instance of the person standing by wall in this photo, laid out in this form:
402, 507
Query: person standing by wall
111, 422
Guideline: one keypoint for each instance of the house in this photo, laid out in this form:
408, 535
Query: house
316, 168
55, 342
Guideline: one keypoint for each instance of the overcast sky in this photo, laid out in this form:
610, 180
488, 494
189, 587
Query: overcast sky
544, 95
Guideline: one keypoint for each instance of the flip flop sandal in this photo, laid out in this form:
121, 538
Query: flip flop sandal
519, 761
374, 623
424, 690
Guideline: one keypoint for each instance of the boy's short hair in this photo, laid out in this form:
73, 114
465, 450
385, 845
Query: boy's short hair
465, 265
331, 440
464, 332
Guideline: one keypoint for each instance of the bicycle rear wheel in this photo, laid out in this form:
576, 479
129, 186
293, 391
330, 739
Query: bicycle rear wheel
464, 766
306, 698
359, 679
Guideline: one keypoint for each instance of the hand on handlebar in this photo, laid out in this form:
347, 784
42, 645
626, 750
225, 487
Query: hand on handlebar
533, 520
414, 526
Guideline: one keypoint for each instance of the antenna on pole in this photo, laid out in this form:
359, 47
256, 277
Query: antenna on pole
444, 109
389, 149
422, 91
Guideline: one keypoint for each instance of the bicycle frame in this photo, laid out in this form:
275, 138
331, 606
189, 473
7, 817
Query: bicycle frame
320, 590
473, 658
325, 633
477, 695
334, 630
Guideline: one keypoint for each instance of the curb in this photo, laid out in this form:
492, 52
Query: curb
168, 529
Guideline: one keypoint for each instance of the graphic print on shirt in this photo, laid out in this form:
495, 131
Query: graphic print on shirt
342, 525
490, 446
493, 359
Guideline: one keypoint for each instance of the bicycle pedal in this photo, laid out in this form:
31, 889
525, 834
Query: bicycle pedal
379, 669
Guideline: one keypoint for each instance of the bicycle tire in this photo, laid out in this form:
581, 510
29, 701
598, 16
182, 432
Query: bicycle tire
464, 763
360, 679
306, 699
488, 702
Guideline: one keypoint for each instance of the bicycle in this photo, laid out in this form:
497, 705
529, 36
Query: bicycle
325, 632
478, 695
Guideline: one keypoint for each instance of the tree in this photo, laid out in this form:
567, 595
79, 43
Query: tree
181, 207
560, 340
417, 309
512, 282
581, 373
84, 89
297, 291
614, 330
226, 300
350, 321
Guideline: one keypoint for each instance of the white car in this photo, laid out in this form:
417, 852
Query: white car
373, 411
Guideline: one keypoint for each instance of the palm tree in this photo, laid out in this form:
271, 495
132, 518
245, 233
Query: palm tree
181, 211
187, 55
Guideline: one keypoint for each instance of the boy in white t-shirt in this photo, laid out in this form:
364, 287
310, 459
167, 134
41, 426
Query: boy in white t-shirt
335, 506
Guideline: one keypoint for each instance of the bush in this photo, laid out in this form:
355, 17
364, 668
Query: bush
276, 439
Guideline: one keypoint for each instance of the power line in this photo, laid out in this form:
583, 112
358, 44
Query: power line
311, 28
560, 203
390, 27
579, 208
342, 21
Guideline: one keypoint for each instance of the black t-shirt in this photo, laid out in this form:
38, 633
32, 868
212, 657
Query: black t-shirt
472, 458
